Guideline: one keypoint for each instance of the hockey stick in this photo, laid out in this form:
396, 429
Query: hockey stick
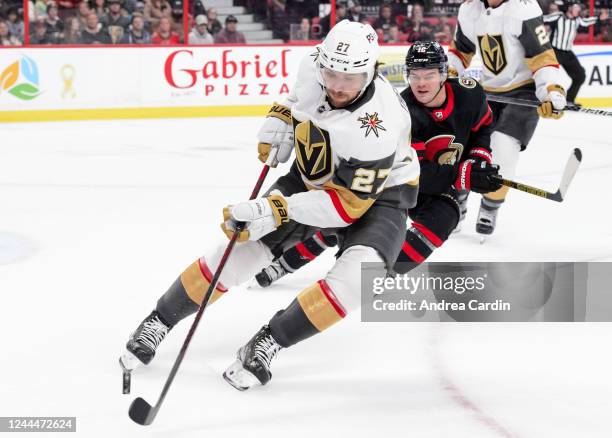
571, 167
140, 410
534, 103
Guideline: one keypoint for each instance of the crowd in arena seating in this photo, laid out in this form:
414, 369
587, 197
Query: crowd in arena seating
206, 28
106, 22
160, 22
11, 23
395, 21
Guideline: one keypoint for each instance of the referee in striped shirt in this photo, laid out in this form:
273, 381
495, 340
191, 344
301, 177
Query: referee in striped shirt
564, 27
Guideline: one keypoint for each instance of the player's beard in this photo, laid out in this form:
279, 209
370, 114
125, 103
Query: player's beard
340, 99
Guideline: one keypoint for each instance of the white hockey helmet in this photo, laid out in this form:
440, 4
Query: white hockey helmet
350, 48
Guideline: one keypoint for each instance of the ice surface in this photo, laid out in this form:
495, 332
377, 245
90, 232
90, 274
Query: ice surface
98, 218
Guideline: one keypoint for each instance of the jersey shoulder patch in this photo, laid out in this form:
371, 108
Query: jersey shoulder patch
467, 82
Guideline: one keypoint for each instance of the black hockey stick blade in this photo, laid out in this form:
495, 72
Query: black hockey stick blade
142, 412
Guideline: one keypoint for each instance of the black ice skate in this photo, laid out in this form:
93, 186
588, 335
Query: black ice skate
144, 341
253, 364
487, 216
269, 275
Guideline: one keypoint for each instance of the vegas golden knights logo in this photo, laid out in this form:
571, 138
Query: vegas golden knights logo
492, 51
312, 150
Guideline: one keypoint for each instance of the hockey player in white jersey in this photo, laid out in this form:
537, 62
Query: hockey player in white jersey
354, 171
518, 61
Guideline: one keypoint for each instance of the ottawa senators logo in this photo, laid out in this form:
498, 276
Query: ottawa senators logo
441, 149
467, 82
493, 53
312, 150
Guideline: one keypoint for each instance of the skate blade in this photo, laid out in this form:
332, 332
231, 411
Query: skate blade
240, 378
483, 239
129, 362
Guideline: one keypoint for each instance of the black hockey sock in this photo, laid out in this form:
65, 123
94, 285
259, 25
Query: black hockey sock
303, 253
183, 298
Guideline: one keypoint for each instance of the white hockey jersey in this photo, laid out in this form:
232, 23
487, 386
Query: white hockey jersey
512, 42
347, 156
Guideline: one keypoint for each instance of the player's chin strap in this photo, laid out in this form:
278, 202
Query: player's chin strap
439, 89
435, 95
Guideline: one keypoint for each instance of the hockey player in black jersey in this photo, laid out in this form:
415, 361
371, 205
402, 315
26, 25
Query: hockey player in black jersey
451, 129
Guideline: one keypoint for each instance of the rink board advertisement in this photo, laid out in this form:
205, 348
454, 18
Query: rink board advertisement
488, 292
55, 83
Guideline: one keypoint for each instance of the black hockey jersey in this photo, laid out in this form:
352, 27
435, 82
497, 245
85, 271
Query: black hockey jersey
443, 137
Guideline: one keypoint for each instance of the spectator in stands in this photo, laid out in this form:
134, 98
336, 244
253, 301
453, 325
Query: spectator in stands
229, 34
83, 12
297, 9
6, 38
177, 18
93, 33
199, 34
139, 7
40, 10
303, 32
115, 16
214, 25
394, 35
197, 7
417, 28
164, 35
384, 21
155, 10
325, 23
279, 22
401, 7
14, 21
39, 33
354, 11
99, 7
258, 8
426, 32
442, 21
55, 27
72, 31
137, 34
444, 35
66, 7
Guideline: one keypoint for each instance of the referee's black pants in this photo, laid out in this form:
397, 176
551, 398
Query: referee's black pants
570, 63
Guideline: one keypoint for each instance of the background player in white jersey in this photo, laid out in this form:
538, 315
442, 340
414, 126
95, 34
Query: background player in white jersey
563, 30
354, 171
518, 61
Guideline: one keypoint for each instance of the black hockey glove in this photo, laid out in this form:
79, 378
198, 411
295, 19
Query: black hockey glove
475, 175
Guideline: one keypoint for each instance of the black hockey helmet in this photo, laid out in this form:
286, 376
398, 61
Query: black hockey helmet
426, 54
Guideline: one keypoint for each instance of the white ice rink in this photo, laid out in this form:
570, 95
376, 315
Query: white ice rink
98, 218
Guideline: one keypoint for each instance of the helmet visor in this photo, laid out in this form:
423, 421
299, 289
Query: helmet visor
429, 75
343, 82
